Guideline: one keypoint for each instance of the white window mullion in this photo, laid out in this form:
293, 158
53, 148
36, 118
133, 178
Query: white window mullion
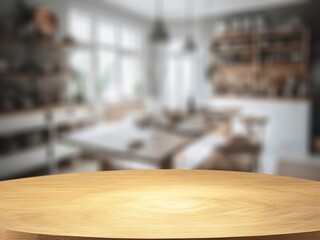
80, 27
103, 43
119, 37
95, 59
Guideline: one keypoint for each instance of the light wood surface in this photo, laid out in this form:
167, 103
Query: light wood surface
163, 204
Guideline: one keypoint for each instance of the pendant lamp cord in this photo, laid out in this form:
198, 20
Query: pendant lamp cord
189, 12
159, 9
186, 18
192, 17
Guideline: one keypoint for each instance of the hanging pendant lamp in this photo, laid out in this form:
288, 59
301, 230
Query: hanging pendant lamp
159, 32
190, 44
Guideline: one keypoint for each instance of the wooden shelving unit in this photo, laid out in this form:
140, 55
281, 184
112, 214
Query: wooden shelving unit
36, 115
260, 63
40, 65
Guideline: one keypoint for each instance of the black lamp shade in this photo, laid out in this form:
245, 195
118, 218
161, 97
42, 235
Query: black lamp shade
190, 45
159, 32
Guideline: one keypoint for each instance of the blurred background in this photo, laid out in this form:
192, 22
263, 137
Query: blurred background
157, 84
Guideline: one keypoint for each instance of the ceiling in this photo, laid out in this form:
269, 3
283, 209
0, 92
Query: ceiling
176, 9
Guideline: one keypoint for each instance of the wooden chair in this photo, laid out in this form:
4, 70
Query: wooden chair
240, 154
226, 116
255, 126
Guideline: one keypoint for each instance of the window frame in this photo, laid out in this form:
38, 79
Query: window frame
95, 47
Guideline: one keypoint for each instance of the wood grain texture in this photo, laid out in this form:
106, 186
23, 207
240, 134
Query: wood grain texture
27, 236
161, 204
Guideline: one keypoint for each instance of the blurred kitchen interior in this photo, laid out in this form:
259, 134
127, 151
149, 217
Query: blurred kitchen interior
152, 84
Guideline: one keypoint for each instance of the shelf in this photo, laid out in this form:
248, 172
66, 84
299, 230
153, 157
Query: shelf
269, 68
233, 37
16, 39
247, 36
29, 121
25, 77
238, 66
294, 68
280, 34
22, 162
233, 44
47, 108
253, 98
282, 48
243, 59
36, 119
16, 113
33, 159
234, 51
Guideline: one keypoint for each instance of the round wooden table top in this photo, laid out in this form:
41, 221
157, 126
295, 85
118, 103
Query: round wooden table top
161, 204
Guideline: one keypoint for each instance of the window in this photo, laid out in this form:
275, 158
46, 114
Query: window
181, 68
106, 34
81, 61
110, 58
80, 26
108, 87
129, 39
131, 75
